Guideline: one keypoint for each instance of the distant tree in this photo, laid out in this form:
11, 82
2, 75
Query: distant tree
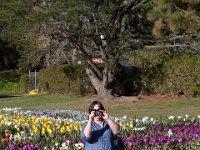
176, 23
14, 30
27, 26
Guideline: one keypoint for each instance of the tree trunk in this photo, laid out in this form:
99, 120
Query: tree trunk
104, 91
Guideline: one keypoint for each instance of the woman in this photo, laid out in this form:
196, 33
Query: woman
98, 133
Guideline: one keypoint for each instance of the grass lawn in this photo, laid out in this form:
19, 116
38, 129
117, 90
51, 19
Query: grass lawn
153, 107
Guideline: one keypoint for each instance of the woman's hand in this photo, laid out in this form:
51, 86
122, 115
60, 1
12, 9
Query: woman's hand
113, 125
91, 116
105, 116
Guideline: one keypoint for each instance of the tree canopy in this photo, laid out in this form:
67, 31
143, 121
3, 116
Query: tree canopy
49, 33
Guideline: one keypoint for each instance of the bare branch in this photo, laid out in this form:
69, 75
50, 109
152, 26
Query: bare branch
172, 46
134, 5
123, 10
89, 60
173, 4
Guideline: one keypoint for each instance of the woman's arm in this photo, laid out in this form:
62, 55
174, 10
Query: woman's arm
115, 127
88, 128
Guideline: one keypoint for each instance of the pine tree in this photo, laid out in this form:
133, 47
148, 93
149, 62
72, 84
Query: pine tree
178, 17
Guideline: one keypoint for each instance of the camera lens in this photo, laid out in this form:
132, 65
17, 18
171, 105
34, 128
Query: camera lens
98, 113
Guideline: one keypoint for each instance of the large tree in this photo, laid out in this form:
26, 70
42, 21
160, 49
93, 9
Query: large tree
98, 29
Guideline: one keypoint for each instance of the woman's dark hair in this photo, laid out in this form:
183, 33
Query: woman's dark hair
95, 103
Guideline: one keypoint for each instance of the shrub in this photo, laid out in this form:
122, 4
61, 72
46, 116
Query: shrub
24, 82
65, 79
182, 75
11, 82
169, 74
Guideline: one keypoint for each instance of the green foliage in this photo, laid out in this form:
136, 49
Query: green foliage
149, 69
24, 82
12, 82
151, 79
11, 87
161, 72
182, 75
9, 75
175, 17
17, 26
65, 79
148, 57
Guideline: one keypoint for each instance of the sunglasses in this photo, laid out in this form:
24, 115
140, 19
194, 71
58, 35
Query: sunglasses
97, 110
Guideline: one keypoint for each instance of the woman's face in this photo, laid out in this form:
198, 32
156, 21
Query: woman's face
97, 108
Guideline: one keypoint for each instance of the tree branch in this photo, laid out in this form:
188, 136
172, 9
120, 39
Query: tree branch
89, 61
134, 5
171, 46
172, 3
123, 10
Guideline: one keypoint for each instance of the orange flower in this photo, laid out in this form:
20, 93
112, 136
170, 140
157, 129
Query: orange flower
7, 134
97, 61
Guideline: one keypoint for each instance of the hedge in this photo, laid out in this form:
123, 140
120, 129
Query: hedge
13, 82
65, 79
179, 75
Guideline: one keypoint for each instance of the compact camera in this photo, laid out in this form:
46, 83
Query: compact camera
98, 113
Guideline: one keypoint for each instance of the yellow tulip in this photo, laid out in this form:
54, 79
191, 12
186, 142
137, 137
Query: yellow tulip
62, 129
127, 124
68, 128
18, 129
15, 121
34, 126
36, 130
48, 126
21, 120
1, 116
131, 125
2, 122
58, 127
76, 127
71, 126
43, 130
49, 130
33, 117
5, 118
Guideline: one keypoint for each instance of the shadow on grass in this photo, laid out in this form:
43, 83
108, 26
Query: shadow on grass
8, 96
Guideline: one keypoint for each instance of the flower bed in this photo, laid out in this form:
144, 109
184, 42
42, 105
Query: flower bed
60, 129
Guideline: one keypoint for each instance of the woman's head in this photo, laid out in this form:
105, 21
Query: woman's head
93, 104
